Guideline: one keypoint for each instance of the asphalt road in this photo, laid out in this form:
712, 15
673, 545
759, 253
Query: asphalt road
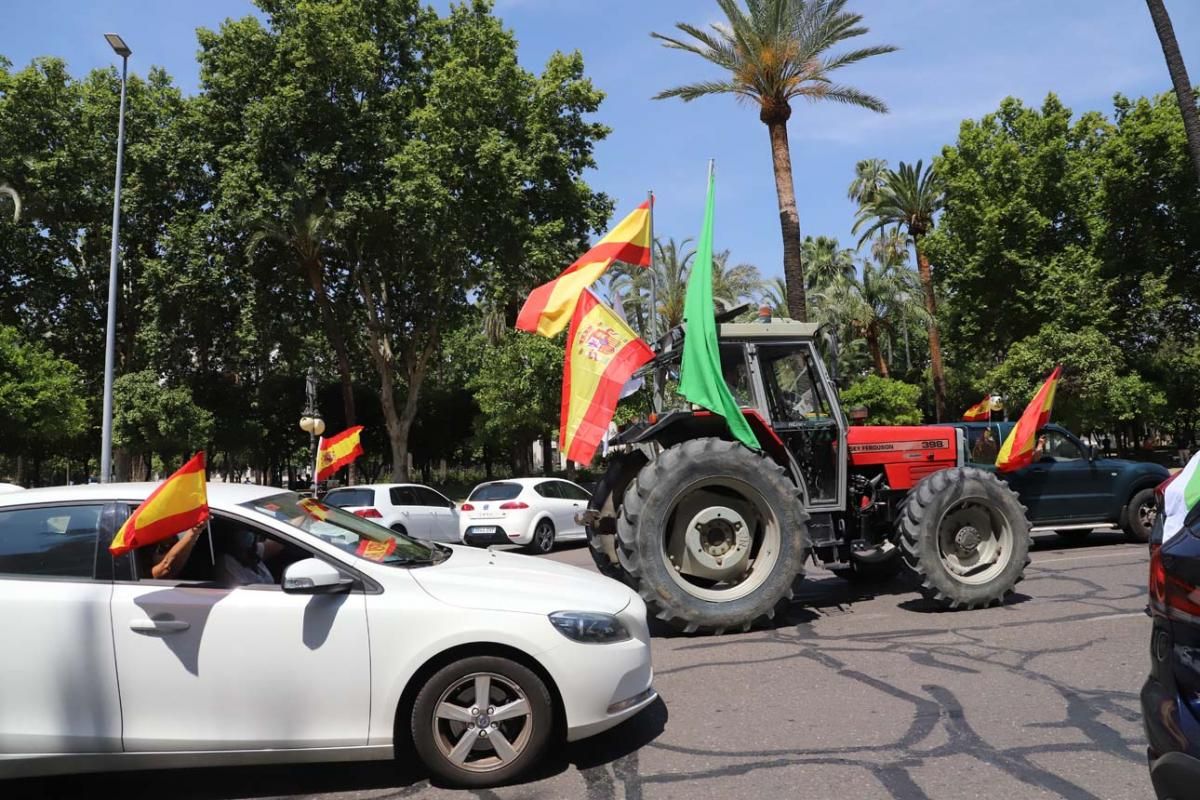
857, 696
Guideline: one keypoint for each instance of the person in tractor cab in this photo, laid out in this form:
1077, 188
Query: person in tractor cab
986, 449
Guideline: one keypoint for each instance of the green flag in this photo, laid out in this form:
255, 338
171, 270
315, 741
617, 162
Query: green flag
700, 378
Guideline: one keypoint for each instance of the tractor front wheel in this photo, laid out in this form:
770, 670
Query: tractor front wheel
964, 535
712, 536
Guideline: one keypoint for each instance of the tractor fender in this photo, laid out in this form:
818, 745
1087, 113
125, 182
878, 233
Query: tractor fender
674, 427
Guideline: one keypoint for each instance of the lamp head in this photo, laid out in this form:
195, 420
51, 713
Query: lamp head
118, 45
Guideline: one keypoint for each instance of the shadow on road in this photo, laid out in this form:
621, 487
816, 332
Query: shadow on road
602, 759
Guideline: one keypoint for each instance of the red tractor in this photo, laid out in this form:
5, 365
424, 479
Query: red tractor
713, 534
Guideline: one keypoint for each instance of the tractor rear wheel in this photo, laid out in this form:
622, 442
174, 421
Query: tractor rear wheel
964, 534
712, 536
602, 534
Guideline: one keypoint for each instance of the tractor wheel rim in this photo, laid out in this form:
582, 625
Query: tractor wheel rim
483, 722
725, 549
975, 542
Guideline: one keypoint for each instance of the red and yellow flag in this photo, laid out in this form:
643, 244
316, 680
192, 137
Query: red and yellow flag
179, 503
602, 353
550, 305
981, 411
375, 551
1017, 450
338, 451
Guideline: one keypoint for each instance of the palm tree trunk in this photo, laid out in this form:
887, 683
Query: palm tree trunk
872, 337
1179, 77
789, 220
935, 339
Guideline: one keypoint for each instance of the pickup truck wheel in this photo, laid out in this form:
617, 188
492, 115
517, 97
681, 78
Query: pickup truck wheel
1139, 516
964, 535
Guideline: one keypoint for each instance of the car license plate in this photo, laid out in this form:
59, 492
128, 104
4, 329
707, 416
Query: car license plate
483, 529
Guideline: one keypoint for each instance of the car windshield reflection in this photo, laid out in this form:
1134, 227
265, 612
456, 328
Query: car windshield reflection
344, 530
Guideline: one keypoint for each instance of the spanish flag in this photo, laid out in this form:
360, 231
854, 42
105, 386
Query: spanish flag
550, 305
981, 411
338, 451
179, 503
1017, 450
602, 353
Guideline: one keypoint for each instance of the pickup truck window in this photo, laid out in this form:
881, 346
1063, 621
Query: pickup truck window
1057, 447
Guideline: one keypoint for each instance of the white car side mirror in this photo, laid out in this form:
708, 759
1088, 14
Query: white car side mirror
314, 576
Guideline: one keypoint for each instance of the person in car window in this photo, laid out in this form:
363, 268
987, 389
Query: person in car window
170, 555
1041, 449
241, 560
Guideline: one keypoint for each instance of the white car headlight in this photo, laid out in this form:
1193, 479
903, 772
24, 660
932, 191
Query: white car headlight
589, 627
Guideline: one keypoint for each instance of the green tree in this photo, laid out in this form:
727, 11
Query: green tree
774, 52
910, 198
888, 401
869, 175
41, 398
154, 419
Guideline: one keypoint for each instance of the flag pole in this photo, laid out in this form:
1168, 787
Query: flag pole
316, 462
656, 383
211, 552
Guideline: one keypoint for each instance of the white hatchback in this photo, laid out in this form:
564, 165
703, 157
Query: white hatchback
361, 643
404, 507
532, 512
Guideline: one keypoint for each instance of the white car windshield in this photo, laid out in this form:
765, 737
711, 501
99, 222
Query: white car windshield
355, 535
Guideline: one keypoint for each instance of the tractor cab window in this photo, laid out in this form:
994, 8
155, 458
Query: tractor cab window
794, 391
737, 374
985, 444
802, 415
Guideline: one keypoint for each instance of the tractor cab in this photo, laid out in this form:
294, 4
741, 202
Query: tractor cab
777, 376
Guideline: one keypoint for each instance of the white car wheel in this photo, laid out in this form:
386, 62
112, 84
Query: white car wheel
482, 721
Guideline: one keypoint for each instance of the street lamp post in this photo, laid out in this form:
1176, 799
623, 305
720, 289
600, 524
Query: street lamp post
311, 421
110, 337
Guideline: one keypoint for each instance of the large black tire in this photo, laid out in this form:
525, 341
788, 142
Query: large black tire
647, 514
957, 518
434, 733
606, 500
1139, 516
872, 572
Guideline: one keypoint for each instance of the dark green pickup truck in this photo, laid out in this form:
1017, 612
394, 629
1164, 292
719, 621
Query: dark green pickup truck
1070, 489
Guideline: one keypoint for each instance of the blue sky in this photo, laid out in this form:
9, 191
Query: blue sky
958, 59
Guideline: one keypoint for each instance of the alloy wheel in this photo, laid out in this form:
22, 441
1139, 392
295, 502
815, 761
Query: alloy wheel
483, 722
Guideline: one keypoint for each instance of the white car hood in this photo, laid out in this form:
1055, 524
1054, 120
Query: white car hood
492, 580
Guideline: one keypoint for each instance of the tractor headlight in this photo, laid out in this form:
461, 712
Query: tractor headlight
589, 627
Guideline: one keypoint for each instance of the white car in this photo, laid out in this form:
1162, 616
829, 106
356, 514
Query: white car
366, 644
404, 507
532, 512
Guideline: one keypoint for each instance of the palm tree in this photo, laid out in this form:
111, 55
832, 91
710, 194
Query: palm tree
733, 285
910, 198
868, 177
774, 296
869, 307
1179, 78
775, 51
825, 262
5, 189
671, 265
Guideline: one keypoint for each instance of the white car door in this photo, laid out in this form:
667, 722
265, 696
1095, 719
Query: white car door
443, 519
60, 682
575, 500
208, 668
416, 518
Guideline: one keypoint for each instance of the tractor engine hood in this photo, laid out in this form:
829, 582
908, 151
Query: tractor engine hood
906, 453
